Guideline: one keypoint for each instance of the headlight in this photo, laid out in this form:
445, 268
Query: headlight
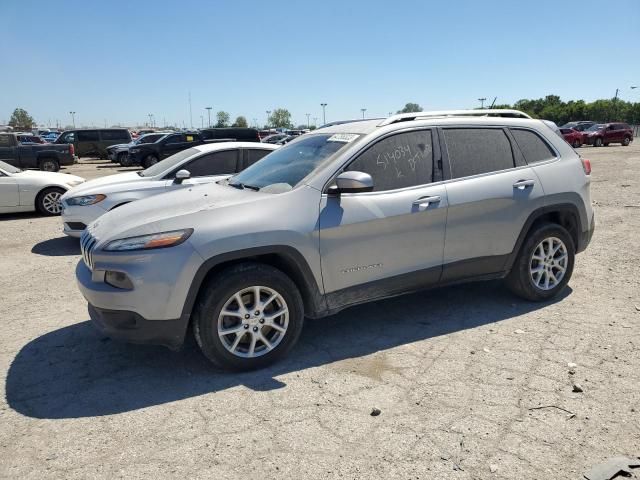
85, 200
147, 242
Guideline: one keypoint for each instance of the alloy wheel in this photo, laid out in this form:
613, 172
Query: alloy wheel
548, 263
51, 202
253, 321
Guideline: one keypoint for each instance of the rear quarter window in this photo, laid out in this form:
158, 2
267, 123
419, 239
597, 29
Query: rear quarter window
88, 136
473, 151
532, 146
115, 135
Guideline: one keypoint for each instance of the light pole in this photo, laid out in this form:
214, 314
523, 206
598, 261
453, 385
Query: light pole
324, 117
150, 115
363, 110
390, 113
201, 121
255, 122
73, 118
315, 122
208, 109
481, 100
268, 117
308, 124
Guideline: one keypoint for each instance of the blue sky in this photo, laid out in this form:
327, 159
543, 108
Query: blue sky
117, 61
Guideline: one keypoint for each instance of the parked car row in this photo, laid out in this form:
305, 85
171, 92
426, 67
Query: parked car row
597, 134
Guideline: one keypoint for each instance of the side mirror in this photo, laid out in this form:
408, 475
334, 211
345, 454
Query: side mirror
352, 182
182, 175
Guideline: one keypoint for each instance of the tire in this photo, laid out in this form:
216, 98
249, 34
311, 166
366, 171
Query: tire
149, 160
606, 144
233, 350
576, 143
48, 201
49, 165
597, 142
123, 159
626, 141
529, 278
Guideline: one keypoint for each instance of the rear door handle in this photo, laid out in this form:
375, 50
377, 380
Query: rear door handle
424, 202
522, 184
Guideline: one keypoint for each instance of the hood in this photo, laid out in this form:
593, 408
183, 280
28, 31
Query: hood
108, 181
50, 177
169, 211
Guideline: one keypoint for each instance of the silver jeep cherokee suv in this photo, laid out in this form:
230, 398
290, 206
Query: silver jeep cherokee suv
347, 214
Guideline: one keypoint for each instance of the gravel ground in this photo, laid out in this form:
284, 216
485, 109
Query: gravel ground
457, 374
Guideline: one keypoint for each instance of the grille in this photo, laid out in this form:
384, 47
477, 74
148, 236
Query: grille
87, 243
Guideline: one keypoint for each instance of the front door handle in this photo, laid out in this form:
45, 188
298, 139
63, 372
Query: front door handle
522, 184
424, 202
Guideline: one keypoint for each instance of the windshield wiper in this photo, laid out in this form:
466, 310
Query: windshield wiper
139, 172
242, 186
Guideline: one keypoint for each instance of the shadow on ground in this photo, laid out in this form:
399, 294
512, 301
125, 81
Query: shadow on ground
75, 372
57, 247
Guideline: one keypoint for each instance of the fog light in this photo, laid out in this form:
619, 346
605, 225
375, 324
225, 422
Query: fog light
118, 280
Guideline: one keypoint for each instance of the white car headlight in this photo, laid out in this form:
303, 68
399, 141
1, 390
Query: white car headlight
147, 242
85, 200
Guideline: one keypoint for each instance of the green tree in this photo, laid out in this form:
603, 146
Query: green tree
410, 108
240, 122
223, 119
21, 119
280, 118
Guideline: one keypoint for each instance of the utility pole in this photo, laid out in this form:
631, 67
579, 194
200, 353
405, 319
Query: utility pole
308, 124
73, 118
268, 117
363, 110
190, 111
481, 100
208, 109
324, 117
255, 122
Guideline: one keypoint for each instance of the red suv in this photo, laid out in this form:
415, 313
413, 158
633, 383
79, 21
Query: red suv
606, 133
573, 137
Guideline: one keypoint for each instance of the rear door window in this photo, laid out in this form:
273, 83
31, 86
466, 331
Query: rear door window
399, 161
174, 139
534, 148
114, 135
473, 151
88, 136
216, 163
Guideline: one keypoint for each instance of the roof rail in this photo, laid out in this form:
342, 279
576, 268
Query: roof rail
489, 112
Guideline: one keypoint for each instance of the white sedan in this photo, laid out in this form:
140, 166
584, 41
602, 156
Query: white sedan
196, 165
29, 190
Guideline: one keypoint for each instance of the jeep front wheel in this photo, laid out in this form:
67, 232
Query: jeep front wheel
544, 265
248, 316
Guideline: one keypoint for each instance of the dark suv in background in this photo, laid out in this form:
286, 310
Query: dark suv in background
94, 142
606, 133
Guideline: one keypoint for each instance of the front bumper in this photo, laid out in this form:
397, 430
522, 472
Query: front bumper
73, 216
131, 327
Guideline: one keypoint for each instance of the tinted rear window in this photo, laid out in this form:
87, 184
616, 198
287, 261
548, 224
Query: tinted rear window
253, 155
532, 146
473, 151
5, 141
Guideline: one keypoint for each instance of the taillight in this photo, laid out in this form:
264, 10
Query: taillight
586, 166
72, 149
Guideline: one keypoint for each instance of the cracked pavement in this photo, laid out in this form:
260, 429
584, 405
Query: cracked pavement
455, 372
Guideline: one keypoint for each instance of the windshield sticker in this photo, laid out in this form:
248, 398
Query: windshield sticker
342, 137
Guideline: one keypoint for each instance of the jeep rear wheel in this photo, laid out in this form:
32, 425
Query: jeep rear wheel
626, 141
544, 265
49, 165
248, 316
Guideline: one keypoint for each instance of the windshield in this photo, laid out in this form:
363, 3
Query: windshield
595, 128
168, 163
9, 168
286, 167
